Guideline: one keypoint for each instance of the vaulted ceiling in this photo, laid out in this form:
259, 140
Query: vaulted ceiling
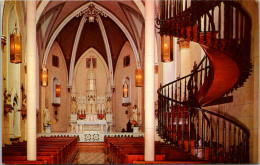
60, 21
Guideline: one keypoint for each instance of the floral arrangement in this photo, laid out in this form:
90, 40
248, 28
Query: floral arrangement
49, 123
100, 116
81, 116
134, 123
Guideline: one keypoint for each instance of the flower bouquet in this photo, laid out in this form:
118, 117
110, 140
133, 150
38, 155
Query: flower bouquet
100, 116
81, 116
134, 123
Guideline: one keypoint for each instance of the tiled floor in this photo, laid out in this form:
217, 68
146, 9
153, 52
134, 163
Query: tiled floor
90, 155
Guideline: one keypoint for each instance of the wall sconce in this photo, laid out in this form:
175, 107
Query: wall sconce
166, 48
57, 90
125, 90
15, 47
139, 81
44, 77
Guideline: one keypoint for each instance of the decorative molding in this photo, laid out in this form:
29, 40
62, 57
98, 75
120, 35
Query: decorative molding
183, 43
156, 69
91, 136
91, 13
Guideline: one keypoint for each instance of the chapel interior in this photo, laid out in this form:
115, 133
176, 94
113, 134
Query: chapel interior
130, 82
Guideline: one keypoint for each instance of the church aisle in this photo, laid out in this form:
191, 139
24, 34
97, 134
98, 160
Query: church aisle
90, 154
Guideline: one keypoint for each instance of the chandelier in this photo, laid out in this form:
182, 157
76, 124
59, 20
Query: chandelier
91, 13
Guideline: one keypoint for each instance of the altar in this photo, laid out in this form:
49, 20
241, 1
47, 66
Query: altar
90, 111
93, 126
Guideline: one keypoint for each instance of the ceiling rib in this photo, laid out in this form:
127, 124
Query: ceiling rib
108, 50
74, 50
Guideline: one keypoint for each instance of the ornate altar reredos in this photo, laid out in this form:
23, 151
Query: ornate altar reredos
90, 112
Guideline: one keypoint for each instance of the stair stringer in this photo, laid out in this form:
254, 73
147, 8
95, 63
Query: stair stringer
224, 75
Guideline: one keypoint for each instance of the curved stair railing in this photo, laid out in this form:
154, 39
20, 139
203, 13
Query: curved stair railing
222, 28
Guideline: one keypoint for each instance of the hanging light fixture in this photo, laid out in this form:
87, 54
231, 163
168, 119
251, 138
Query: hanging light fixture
44, 77
57, 90
139, 81
166, 48
15, 47
125, 90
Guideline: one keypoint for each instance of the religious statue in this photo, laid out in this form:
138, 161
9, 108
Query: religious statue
125, 89
15, 116
46, 114
109, 106
24, 102
91, 106
74, 106
135, 115
7, 102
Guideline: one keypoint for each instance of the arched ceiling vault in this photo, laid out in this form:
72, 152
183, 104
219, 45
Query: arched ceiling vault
57, 21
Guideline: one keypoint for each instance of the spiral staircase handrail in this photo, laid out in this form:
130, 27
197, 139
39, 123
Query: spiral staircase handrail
236, 123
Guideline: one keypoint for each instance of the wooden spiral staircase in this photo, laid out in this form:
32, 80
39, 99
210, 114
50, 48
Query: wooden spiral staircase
222, 28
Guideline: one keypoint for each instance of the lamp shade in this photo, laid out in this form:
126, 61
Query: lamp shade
44, 77
166, 48
15, 47
57, 90
139, 80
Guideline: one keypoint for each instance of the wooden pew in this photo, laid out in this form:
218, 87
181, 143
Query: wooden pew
170, 162
129, 159
61, 149
119, 148
19, 153
26, 162
108, 140
24, 158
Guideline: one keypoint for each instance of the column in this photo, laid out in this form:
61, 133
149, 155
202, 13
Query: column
31, 80
149, 81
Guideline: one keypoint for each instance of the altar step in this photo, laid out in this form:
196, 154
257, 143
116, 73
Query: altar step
91, 144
